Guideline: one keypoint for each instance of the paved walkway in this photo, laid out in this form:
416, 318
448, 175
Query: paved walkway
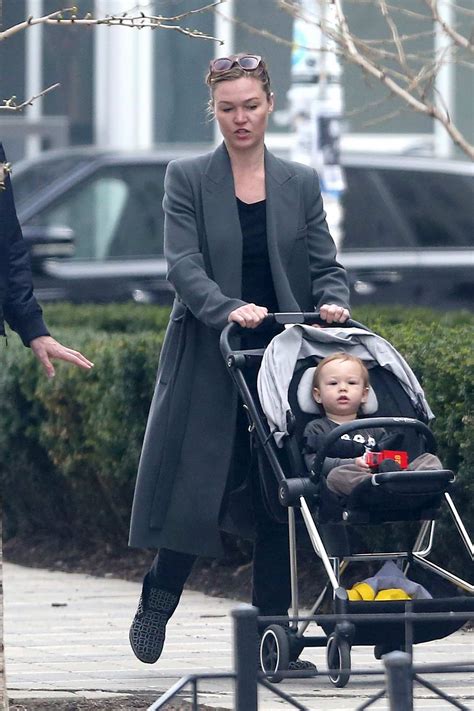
66, 635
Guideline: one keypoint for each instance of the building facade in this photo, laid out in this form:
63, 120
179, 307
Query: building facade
127, 88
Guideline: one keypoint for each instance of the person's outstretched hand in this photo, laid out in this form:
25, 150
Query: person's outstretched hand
45, 348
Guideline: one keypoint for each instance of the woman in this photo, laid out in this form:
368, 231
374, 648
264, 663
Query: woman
245, 234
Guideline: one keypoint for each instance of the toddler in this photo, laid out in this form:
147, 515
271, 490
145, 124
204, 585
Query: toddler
341, 387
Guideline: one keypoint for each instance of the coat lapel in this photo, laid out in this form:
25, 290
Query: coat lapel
221, 219
282, 189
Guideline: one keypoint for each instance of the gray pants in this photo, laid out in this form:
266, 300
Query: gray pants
342, 480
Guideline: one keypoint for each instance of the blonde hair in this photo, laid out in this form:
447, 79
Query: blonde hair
342, 357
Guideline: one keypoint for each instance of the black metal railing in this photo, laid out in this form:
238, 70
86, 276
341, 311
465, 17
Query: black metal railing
398, 669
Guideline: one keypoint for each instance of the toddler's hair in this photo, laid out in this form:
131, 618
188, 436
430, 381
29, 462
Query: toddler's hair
342, 357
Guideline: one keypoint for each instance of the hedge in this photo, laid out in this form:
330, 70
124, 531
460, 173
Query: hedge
70, 446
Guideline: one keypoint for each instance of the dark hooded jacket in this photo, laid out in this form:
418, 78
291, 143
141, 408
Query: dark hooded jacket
18, 305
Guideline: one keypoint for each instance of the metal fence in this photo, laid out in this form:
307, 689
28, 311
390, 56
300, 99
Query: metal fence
398, 675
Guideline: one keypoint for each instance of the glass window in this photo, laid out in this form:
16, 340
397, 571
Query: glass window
36, 176
371, 219
116, 213
438, 206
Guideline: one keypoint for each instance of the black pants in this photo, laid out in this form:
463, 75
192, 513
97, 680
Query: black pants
271, 592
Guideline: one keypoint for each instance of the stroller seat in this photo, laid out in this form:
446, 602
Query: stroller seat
386, 496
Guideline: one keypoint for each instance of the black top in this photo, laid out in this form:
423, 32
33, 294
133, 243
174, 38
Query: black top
257, 281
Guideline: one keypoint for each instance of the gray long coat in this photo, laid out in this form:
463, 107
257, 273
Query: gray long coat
188, 441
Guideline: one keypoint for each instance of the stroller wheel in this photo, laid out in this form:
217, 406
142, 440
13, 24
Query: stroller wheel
338, 656
274, 652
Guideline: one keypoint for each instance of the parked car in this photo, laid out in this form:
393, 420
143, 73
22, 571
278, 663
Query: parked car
408, 234
94, 223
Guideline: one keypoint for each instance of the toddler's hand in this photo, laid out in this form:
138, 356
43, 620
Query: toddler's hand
362, 464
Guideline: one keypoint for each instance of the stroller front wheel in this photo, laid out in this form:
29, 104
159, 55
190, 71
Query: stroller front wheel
338, 656
275, 652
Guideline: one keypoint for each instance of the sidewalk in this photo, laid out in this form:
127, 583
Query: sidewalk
66, 636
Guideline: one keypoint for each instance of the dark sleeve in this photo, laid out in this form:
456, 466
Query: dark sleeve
341, 452
328, 277
21, 309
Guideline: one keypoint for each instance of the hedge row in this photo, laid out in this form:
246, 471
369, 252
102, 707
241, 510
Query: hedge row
70, 447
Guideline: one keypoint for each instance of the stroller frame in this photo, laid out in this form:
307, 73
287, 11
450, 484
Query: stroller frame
293, 493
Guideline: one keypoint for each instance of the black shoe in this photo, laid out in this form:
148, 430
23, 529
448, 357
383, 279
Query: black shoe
147, 632
302, 665
293, 665
380, 650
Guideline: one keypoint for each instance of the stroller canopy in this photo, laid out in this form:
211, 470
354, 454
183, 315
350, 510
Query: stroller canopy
300, 342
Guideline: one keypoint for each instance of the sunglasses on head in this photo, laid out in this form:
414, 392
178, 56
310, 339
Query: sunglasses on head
249, 62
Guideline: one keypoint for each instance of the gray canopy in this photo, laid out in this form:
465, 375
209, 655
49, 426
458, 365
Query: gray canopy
299, 342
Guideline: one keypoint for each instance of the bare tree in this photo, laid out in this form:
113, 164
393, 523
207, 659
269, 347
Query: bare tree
409, 75
68, 17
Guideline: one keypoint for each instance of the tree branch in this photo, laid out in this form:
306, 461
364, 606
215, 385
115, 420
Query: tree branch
137, 21
396, 37
457, 38
11, 105
345, 41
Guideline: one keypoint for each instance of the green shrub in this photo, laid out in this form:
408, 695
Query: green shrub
112, 318
70, 447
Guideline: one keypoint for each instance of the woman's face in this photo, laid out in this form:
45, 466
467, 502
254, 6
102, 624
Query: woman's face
241, 108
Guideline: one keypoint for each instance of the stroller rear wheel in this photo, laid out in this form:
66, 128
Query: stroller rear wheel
338, 656
275, 652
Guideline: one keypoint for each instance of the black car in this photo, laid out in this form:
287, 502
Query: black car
94, 222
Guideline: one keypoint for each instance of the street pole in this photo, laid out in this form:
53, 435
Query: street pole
34, 76
316, 104
223, 30
123, 86
444, 82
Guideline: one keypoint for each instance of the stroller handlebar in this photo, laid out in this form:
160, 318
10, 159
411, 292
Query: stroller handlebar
371, 422
298, 317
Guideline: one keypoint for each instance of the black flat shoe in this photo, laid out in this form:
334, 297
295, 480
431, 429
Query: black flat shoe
302, 665
147, 632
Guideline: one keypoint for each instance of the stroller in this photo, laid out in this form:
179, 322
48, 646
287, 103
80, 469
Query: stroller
294, 495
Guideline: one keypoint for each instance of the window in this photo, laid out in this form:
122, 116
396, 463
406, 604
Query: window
39, 175
438, 206
116, 213
371, 219
403, 208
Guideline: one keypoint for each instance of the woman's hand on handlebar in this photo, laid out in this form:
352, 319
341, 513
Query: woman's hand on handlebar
248, 316
332, 313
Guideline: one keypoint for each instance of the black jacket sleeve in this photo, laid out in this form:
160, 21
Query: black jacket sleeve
17, 300
342, 451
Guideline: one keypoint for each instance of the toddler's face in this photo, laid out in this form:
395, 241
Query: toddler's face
341, 389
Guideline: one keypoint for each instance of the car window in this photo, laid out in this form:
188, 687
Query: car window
438, 206
36, 176
371, 218
115, 213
